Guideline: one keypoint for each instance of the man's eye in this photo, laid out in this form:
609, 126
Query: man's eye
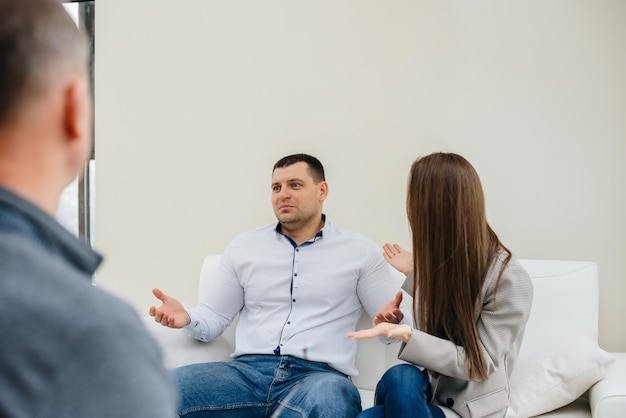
296, 185
275, 188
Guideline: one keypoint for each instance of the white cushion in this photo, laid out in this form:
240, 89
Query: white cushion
556, 376
560, 358
180, 349
367, 398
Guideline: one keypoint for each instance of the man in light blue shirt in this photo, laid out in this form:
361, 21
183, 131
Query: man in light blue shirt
298, 286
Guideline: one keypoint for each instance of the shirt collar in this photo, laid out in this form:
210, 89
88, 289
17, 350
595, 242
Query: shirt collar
320, 233
25, 219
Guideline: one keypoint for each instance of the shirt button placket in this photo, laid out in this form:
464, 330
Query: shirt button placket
296, 260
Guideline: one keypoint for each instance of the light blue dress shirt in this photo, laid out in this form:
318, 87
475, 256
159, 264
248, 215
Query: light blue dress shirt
297, 300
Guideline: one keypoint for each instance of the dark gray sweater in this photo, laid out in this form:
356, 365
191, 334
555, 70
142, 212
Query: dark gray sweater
67, 348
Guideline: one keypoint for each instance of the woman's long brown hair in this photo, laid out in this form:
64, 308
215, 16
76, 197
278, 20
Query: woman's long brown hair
453, 247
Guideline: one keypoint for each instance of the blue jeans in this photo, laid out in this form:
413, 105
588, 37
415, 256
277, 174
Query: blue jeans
265, 386
404, 391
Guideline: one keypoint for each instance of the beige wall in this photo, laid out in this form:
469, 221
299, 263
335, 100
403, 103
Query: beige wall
196, 99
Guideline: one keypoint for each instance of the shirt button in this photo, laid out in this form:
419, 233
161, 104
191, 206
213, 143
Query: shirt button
295, 274
288, 322
449, 402
294, 300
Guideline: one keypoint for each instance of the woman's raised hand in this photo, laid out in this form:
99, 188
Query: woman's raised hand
398, 257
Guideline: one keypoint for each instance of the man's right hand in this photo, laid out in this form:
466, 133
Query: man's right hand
171, 313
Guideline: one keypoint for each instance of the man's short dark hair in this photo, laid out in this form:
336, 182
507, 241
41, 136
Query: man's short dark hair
36, 37
316, 169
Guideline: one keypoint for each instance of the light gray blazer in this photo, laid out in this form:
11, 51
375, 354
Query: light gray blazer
501, 324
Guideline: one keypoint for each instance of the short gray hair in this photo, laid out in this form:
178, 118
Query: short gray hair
38, 40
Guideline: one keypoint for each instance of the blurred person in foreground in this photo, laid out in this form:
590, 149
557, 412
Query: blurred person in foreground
68, 349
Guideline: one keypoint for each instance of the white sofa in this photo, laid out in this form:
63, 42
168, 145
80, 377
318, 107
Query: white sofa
561, 371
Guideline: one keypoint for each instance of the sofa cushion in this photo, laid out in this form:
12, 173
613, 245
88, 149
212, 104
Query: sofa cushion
560, 358
557, 376
180, 349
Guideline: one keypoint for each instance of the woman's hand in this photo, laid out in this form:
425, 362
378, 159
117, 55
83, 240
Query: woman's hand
398, 257
384, 329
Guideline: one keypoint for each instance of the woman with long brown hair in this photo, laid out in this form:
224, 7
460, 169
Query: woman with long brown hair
471, 301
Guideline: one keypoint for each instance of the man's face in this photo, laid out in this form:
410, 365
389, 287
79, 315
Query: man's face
296, 199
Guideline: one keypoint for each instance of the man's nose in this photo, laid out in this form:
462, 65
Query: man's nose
283, 193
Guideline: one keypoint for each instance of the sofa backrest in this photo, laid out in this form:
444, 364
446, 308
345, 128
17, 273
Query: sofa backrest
565, 300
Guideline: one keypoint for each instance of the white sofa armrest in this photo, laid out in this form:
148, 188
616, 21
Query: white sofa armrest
607, 398
180, 349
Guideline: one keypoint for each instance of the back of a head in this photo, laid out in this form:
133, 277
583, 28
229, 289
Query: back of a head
39, 42
316, 169
445, 196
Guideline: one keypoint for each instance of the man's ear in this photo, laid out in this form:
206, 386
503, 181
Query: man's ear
323, 191
76, 115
